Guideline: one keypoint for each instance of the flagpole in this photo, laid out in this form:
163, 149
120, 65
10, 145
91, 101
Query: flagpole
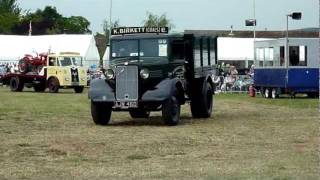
30, 28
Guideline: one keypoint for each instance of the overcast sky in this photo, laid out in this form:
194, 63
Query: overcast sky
188, 14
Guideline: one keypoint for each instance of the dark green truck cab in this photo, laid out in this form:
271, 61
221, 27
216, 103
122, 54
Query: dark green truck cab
156, 72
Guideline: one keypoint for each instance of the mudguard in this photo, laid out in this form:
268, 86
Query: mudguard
100, 91
162, 91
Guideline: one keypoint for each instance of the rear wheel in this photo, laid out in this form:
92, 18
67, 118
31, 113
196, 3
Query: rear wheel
201, 107
139, 113
171, 111
53, 85
78, 89
101, 113
16, 84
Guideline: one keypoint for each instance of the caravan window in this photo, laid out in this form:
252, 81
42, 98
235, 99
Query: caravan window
282, 59
297, 56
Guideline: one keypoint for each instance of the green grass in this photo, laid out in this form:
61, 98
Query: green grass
52, 136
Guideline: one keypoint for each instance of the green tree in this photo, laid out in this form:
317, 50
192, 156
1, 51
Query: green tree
107, 27
49, 21
76, 25
153, 20
9, 15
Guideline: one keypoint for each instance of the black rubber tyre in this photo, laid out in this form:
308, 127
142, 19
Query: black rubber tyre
23, 66
275, 93
16, 85
138, 113
53, 85
313, 95
201, 106
40, 87
267, 93
78, 89
101, 113
171, 111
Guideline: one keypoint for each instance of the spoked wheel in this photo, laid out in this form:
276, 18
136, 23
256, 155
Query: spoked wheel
171, 111
201, 106
53, 85
101, 113
274, 93
139, 113
267, 93
23, 66
16, 85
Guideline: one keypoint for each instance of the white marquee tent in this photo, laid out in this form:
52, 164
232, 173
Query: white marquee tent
236, 49
13, 47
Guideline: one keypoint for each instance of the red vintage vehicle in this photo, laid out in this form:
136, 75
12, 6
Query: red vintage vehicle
32, 64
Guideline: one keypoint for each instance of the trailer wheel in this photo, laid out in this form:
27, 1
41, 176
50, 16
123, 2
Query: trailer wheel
313, 95
40, 87
53, 85
139, 113
275, 93
171, 111
267, 93
78, 89
201, 107
16, 84
101, 113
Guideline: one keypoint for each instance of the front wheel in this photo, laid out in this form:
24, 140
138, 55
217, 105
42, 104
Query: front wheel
78, 89
53, 85
171, 111
16, 84
138, 113
101, 113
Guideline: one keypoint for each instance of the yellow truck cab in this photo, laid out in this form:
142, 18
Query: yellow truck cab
65, 70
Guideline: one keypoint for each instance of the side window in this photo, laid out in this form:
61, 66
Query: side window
268, 57
294, 56
282, 55
303, 51
260, 56
197, 53
177, 50
52, 61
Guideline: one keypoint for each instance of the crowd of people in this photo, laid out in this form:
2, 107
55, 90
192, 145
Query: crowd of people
9, 67
231, 80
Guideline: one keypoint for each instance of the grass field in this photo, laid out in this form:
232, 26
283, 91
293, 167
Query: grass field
52, 136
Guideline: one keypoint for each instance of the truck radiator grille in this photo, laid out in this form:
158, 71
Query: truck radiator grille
126, 83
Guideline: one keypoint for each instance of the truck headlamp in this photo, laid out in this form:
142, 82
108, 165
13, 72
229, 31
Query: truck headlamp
144, 73
109, 74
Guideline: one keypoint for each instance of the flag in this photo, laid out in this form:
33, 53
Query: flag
30, 28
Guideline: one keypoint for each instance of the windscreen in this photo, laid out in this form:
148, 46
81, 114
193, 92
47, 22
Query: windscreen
143, 48
125, 48
70, 61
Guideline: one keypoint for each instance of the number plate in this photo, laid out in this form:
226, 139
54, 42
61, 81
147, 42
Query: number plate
125, 104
